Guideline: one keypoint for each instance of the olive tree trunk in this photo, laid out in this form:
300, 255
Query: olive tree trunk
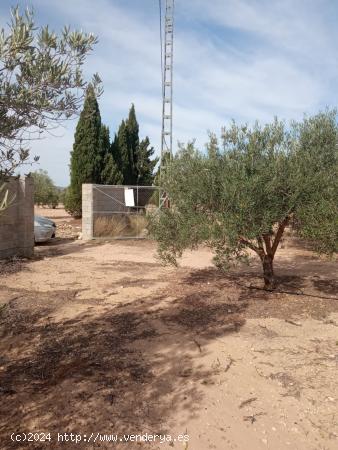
268, 273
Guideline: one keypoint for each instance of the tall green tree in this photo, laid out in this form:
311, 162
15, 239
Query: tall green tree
132, 156
133, 144
240, 196
86, 156
125, 147
110, 173
120, 148
144, 164
104, 146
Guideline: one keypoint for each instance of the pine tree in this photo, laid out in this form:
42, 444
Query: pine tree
86, 158
145, 165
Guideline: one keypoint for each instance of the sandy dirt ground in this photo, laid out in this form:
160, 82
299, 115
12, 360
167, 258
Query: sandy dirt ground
99, 338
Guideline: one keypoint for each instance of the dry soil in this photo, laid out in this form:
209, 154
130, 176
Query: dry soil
98, 337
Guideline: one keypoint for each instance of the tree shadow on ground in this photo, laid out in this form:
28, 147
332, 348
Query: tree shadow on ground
327, 286
243, 278
295, 295
126, 369
289, 273
306, 265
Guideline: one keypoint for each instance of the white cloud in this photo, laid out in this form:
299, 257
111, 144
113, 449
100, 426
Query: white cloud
242, 59
295, 25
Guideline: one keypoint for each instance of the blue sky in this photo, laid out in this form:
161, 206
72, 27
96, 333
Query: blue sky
241, 59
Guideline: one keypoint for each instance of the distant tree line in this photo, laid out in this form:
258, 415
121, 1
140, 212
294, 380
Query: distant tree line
45, 191
97, 159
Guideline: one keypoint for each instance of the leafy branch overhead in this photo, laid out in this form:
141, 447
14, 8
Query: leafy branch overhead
41, 83
240, 196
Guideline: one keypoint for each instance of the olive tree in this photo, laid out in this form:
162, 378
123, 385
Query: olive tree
41, 83
45, 191
240, 195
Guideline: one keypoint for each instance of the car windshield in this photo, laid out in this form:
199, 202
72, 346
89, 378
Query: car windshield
42, 221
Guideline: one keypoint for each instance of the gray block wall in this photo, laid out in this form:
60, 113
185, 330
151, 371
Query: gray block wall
17, 221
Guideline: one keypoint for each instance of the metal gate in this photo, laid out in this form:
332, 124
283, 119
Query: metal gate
122, 212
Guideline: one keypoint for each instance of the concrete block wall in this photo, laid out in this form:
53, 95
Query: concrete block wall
87, 211
17, 221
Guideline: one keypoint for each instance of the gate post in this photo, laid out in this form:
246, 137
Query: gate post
87, 211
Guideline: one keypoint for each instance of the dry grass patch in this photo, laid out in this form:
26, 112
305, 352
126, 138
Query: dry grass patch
121, 225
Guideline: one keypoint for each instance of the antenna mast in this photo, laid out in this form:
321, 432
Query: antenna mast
167, 82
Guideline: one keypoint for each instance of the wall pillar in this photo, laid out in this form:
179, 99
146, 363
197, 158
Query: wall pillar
17, 221
87, 211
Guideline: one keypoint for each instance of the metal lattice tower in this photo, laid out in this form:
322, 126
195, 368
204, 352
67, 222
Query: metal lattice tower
167, 82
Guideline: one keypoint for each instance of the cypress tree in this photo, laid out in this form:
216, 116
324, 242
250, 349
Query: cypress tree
133, 143
133, 158
145, 165
121, 149
110, 173
86, 158
104, 144
114, 150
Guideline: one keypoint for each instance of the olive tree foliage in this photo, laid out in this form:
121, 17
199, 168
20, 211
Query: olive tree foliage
41, 83
240, 195
45, 191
